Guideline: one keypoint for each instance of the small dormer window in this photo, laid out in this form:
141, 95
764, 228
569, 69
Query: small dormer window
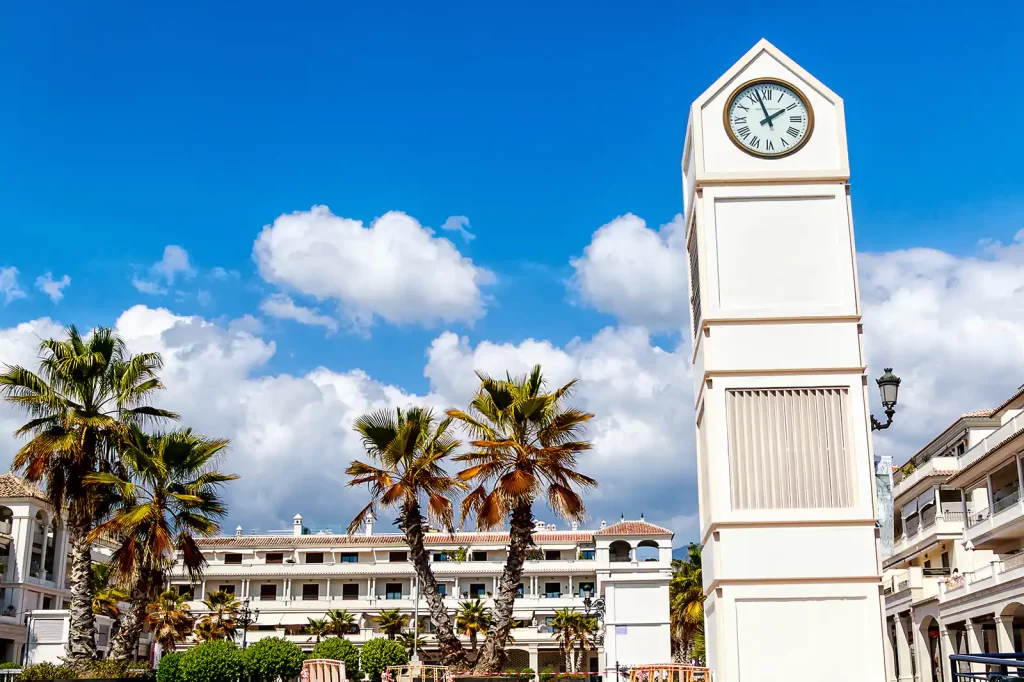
233, 559
315, 558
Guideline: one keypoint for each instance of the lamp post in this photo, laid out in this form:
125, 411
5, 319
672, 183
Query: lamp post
595, 608
888, 388
247, 617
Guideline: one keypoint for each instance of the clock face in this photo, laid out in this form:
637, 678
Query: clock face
768, 118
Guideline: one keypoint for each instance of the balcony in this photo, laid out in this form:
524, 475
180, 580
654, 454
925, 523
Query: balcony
926, 528
1005, 519
936, 466
991, 441
912, 585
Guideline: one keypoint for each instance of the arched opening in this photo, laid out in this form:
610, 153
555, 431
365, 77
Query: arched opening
51, 546
1015, 611
40, 529
619, 550
648, 550
6, 526
932, 668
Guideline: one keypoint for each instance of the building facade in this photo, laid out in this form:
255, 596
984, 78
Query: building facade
955, 580
293, 577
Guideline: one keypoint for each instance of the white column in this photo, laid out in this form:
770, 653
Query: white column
945, 651
890, 655
963, 503
938, 503
328, 589
903, 651
991, 499
369, 588
570, 585
1020, 478
1004, 632
535, 661
922, 654
974, 644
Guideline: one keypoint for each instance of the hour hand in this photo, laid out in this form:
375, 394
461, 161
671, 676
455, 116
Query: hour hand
768, 120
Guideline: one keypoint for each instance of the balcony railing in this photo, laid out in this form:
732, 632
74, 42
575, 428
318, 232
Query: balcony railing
1006, 502
956, 516
977, 517
1010, 563
990, 441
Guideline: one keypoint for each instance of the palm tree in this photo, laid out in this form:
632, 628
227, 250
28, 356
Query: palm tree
410, 640
81, 401
525, 446
471, 619
170, 619
105, 602
341, 621
318, 627
686, 604
168, 496
565, 626
407, 452
207, 631
223, 614
391, 622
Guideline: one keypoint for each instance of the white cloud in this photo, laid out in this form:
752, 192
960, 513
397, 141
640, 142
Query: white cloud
641, 395
223, 273
460, 224
51, 287
165, 271
953, 329
635, 273
282, 306
395, 269
9, 285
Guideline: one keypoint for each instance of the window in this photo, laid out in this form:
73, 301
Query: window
184, 591
310, 592
945, 559
694, 283
350, 591
234, 559
47, 603
587, 554
477, 590
586, 590
788, 448
349, 558
275, 558
519, 590
315, 558
552, 590
398, 556
268, 592
393, 591
927, 563
552, 555
478, 556
440, 556
442, 589
230, 589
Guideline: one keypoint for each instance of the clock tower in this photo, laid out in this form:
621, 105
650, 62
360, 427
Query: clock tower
785, 476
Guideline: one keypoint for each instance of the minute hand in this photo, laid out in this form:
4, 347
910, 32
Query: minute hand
772, 117
768, 119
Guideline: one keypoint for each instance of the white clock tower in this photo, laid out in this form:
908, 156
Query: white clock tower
786, 484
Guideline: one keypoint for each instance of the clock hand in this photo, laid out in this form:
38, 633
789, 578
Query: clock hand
764, 109
769, 119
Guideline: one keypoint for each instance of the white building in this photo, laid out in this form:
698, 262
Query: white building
955, 583
295, 576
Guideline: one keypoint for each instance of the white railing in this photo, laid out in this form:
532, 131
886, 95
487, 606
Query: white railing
925, 470
990, 441
977, 517
1006, 502
956, 516
1010, 563
977, 575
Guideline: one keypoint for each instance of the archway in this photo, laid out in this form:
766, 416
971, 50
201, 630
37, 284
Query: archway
619, 550
1015, 612
931, 667
51, 548
648, 550
39, 531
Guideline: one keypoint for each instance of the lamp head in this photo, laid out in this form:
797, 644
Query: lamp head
888, 388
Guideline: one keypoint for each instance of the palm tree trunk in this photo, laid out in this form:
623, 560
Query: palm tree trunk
125, 645
452, 653
82, 628
492, 655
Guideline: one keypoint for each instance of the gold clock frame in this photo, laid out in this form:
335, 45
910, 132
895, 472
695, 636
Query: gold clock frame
775, 81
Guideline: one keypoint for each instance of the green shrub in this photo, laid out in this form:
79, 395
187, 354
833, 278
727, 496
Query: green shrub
139, 670
216, 661
339, 649
272, 657
167, 669
46, 672
378, 654
527, 673
9, 665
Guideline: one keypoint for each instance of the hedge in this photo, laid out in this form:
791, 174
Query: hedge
271, 658
167, 669
339, 649
216, 661
378, 654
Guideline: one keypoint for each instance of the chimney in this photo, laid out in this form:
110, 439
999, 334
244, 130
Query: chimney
552, 526
368, 523
575, 525
538, 526
238, 532
641, 516
297, 525
604, 524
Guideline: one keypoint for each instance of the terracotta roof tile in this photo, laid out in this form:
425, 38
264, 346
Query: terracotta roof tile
12, 486
633, 528
978, 413
384, 540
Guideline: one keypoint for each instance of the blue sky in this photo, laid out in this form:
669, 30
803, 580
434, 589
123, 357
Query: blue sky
130, 127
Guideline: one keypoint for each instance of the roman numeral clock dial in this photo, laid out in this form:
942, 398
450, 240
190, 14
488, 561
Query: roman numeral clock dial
768, 118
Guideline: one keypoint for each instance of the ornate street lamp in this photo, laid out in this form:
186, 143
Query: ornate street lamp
595, 607
888, 388
247, 617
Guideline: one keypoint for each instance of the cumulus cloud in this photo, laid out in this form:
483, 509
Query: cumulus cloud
53, 288
9, 285
283, 307
635, 273
166, 271
640, 393
460, 224
953, 329
395, 269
